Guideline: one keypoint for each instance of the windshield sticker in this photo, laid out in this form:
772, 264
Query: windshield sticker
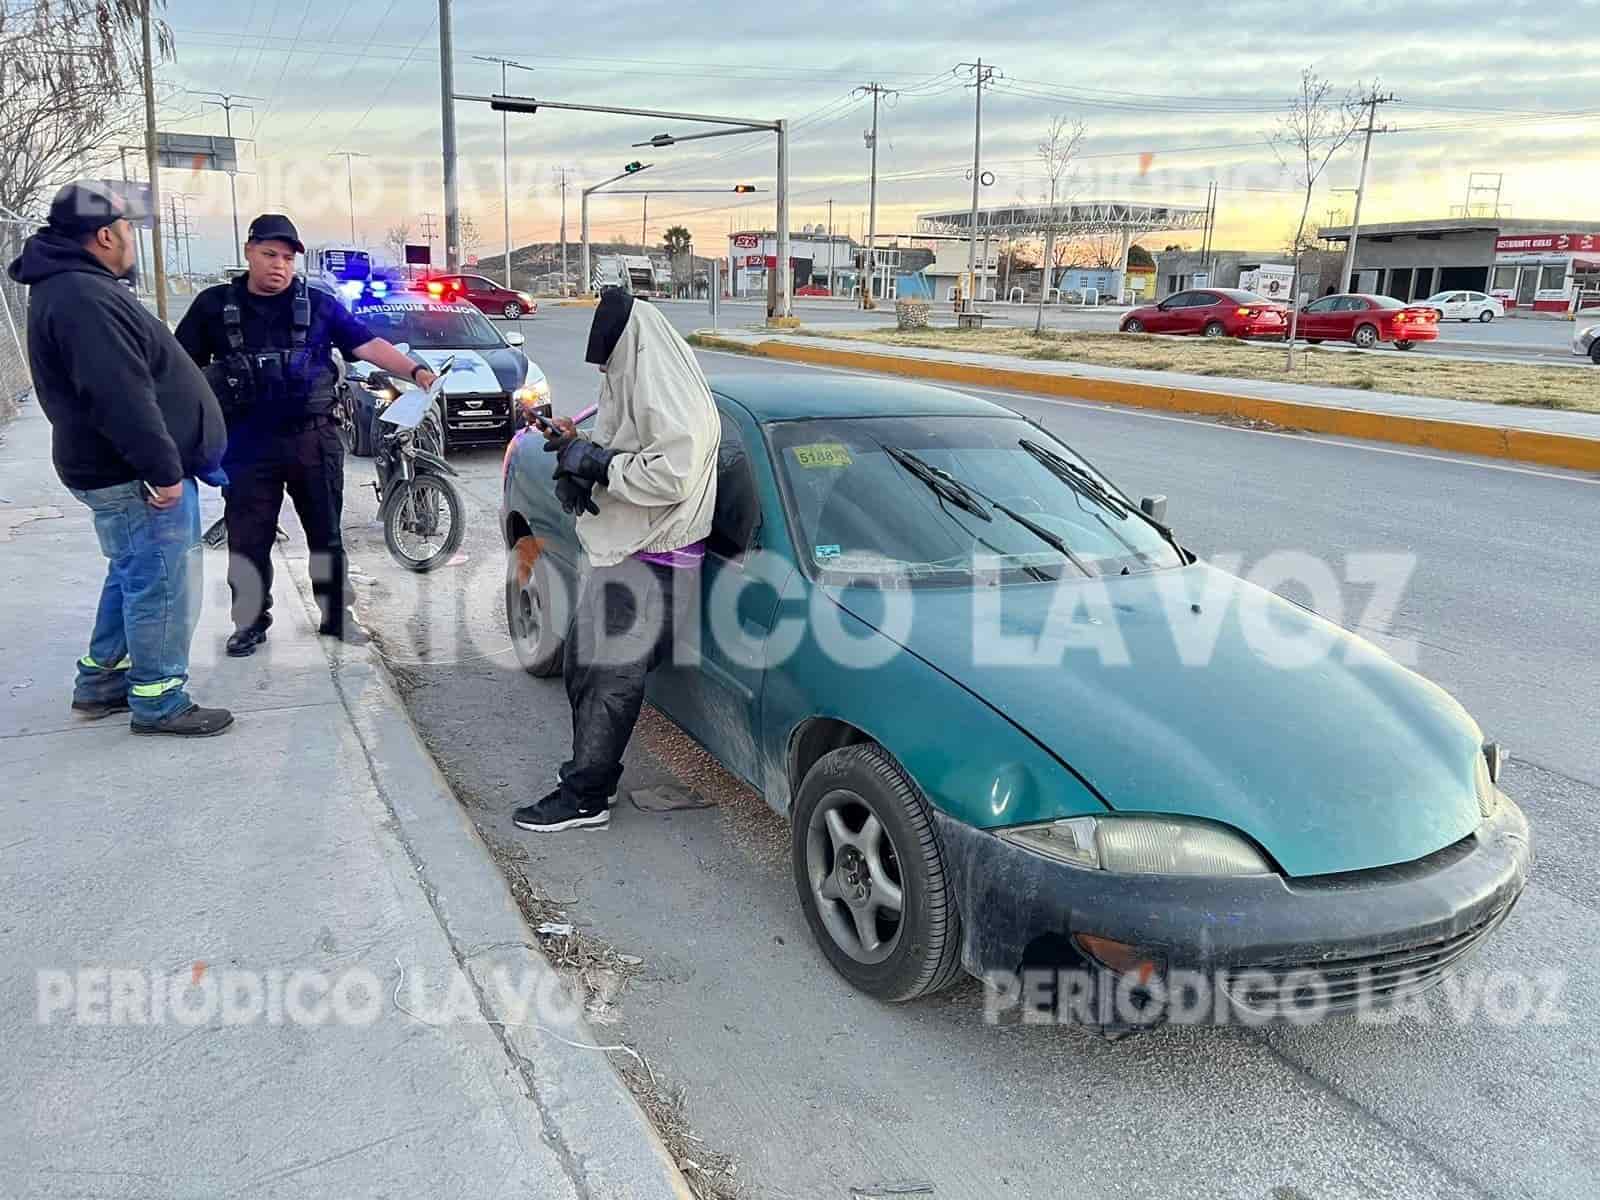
824, 552
823, 454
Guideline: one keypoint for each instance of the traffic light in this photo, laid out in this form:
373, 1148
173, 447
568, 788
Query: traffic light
633, 166
744, 187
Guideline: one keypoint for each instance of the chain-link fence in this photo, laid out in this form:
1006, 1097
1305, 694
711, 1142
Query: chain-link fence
16, 383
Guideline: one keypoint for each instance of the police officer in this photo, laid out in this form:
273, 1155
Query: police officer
266, 342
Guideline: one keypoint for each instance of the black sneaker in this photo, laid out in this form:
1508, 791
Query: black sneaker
552, 814
243, 643
193, 721
95, 710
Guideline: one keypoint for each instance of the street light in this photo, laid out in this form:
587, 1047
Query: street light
632, 168
737, 125
505, 154
349, 157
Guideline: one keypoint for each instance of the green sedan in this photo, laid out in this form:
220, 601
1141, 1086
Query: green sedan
1019, 730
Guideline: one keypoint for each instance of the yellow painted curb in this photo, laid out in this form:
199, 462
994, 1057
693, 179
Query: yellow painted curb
590, 302
1490, 441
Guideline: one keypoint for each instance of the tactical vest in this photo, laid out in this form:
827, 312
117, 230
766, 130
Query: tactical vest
276, 385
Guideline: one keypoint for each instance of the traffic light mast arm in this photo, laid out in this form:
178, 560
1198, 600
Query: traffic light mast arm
529, 104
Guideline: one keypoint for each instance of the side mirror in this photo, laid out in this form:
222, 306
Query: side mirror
1154, 507
515, 339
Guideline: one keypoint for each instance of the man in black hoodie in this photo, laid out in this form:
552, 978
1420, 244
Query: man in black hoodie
134, 423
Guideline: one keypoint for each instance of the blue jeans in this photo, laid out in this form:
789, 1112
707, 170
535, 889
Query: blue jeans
149, 603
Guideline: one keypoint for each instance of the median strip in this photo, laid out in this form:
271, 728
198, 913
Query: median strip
1522, 444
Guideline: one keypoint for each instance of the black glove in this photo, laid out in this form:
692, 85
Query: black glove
555, 441
576, 495
584, 459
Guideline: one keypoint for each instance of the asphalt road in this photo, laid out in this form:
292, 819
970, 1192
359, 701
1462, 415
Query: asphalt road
815, 1089
1514, 339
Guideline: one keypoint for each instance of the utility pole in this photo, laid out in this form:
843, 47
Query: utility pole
563, 288
153, 163
1372, 102
138, 234
225, 101
830, 247
447, 101
877, 91
644, 222
980, 76
505, 150
349, 157
430, 227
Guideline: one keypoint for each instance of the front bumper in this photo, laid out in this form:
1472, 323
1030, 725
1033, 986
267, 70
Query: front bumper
1263, 946
478, 420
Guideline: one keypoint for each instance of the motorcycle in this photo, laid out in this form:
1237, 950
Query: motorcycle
420, 508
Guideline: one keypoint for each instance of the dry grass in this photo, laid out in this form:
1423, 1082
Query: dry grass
1386, 371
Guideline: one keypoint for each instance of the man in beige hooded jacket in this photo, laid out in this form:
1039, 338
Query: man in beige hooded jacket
645, 489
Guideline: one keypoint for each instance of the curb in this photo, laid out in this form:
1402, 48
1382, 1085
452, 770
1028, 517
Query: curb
1458, 437
591, 303
580, 1105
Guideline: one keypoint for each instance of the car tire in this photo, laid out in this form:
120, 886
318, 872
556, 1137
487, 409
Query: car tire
1214, 329
537, 637
1486, 315
1594, 352
1365, 336
1405, 345
860, 826
1313, 341
512, 312
1133, 326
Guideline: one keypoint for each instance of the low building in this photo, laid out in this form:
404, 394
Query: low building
754, 253
1537, 264
1179, 270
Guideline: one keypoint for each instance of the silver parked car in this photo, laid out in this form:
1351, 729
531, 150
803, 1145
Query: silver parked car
1587, 341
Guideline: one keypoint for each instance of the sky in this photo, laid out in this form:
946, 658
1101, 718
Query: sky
1172, 96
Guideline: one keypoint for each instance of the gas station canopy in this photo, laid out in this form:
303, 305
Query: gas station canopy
1073, 219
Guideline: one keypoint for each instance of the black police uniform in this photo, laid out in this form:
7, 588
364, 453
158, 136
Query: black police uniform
271, 359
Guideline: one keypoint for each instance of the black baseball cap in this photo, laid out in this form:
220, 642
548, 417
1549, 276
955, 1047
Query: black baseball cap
86, 205
275, 227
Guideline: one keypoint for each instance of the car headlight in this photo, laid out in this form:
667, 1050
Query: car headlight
533, 394
526, 299
1137, 845
382, 390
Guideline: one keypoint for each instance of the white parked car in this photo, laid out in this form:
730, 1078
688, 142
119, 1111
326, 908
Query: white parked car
1464, 306
1587, 341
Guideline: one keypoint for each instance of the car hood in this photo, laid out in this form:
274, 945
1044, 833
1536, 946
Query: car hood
1349, 763
477, 371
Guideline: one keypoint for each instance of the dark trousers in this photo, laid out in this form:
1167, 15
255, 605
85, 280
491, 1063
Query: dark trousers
623, 626
308, 464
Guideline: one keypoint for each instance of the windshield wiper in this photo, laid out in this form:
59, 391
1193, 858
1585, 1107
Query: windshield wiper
1079, 480
940, 482
938, 478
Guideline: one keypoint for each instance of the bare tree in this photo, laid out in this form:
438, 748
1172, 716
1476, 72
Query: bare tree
1315, 128
1057, 150
397, 239
69, 90
471, 236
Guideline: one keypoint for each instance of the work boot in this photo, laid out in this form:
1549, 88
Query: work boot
244, 641
193, 721
95, 710
552, 814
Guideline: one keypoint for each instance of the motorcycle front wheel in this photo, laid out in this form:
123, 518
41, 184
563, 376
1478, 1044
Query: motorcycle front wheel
423, 522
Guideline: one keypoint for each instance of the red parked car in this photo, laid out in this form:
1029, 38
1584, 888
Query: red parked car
485, 295
1368, 320
1211, 312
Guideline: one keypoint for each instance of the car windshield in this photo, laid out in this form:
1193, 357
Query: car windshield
431, 326
925, 499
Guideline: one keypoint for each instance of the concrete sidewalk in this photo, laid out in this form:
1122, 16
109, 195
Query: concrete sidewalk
158, 897
1554, 437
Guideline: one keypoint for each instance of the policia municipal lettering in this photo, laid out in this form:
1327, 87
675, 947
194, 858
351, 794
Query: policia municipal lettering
266, 344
